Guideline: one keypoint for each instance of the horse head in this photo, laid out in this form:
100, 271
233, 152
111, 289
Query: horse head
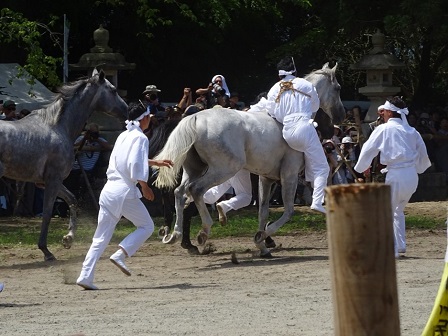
331, 109
106, 97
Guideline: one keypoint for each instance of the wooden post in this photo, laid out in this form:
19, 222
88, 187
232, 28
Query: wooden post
362, 258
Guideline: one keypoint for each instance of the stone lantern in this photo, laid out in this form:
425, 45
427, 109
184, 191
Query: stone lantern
102, 57
379, 65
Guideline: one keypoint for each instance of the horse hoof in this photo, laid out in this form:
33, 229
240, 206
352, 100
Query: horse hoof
259, 237
169, 239
269, 242
49, 257
266, 255
193, 250
163, 231
202, 238
67, 241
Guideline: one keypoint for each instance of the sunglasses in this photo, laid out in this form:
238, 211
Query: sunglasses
11, 108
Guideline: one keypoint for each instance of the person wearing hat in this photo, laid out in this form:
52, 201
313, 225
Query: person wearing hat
128, 165
151, 98
337, 134
293, 101
404, 154
9, 110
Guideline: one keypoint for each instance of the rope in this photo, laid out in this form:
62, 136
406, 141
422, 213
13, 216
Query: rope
288, 86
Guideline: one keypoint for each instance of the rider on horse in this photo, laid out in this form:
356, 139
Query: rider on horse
293, 102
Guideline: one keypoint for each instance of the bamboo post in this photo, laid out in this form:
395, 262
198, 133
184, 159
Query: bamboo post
361, 249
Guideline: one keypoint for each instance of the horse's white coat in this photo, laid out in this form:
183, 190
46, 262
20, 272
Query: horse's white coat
214, 144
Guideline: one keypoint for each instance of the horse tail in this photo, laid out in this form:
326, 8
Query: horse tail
176, 148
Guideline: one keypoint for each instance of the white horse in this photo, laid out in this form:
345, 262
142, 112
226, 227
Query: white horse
213, 145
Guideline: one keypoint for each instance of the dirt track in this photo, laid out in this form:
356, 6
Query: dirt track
171, 293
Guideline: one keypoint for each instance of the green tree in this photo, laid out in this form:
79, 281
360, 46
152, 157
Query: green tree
27, 36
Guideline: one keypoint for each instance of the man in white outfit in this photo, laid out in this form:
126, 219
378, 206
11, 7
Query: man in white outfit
128, 165
403, 151
294, 101
242, 186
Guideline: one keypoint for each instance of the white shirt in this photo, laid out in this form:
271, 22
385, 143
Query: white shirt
305, 103
400, 147
128, 163
129, 158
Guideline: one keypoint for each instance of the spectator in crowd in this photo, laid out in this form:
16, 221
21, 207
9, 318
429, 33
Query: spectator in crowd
173, 113
152, 102
412, 119
216, 93
186, 100
347, 158
235, 102
9, 110
337, 135
330, 153
128, 165
23, 113
404, 154
428, 134
88, 147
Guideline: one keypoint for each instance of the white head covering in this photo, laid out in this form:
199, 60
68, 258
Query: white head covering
403, 112
290, 72
132, 124
381, 107
224, 84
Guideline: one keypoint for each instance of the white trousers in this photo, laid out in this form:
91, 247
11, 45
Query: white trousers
302, 136
403, 183
136, 212
243, 191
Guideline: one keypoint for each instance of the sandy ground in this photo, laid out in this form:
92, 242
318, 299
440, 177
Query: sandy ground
172, 293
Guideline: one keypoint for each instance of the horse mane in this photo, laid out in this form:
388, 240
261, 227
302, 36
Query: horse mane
51, 113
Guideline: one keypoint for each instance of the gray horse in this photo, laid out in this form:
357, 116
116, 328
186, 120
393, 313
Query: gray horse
213, 145
39, 147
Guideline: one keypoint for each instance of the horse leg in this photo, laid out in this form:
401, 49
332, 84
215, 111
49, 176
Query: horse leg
189, 212
70, 199
264, 192
289, 186
51, 190
169, 204
180, 199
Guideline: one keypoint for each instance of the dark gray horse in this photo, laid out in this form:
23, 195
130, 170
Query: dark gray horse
39, 147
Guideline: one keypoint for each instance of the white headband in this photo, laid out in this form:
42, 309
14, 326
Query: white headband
135, 122
285, 73
402, 111
391, 107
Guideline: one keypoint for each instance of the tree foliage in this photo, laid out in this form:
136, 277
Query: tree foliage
177, 43
27, 36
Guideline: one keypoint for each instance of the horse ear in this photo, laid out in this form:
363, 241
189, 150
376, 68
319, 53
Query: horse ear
334, 68
94, 72
325, 66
